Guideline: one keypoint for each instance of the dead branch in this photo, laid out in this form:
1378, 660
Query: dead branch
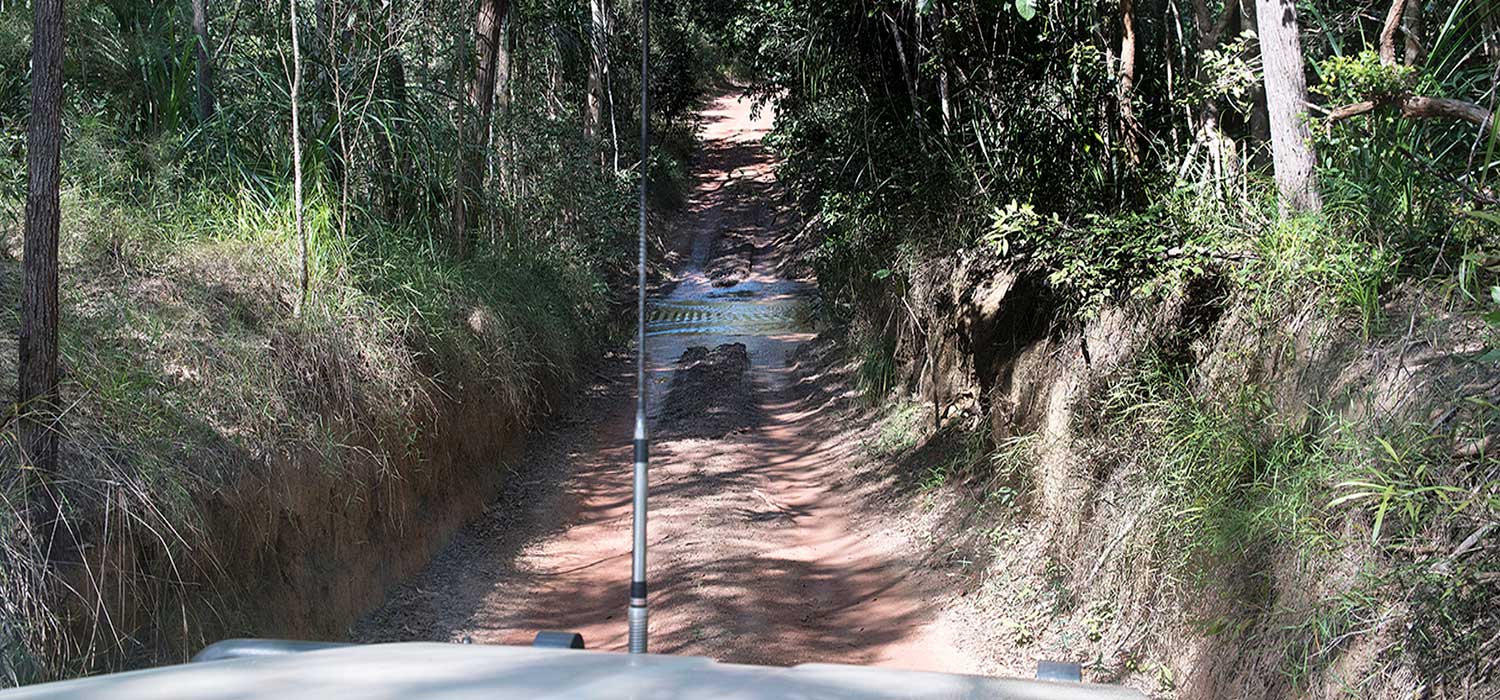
1419, 107
1388, 32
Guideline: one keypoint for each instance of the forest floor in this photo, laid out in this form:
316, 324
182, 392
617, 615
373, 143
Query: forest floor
768, 542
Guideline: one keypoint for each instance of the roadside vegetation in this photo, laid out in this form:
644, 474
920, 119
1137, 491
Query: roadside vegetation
1280, 442
1197, 314
458, 226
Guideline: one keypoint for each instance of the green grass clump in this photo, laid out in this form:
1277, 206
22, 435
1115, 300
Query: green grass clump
1231, 476
1272, 511
184, 367
900, 430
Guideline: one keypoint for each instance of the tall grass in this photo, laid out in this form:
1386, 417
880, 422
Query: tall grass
1249, 500
184, 367
1230, 475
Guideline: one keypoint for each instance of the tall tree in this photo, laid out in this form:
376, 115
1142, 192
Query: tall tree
37, 393
1130, 126
1260, 123
1292, 153
1210, 135
391, 90
204, 78
468, 181
600, 14
302, 280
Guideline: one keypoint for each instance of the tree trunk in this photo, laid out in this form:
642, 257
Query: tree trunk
1388, 32
593, 122
908, 72
1223, 163
1260, 122
1292, 153
37, 391
468, 183
614, 129
297, 164
1411, 26
204, 56
945, 103
389, 169
494, 156
1130, 127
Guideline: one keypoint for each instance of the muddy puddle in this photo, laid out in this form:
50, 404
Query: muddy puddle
769, 317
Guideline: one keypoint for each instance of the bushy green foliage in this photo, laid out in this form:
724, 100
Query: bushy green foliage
1363, 77
184, 365
1028, 155
1102, 258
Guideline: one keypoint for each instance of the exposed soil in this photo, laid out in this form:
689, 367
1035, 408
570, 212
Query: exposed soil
734, 254
711, 395
767, 546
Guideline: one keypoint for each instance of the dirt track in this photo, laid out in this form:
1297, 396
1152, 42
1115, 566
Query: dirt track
765, 547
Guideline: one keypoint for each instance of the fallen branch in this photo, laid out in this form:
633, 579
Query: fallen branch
1358, 108
1418, 107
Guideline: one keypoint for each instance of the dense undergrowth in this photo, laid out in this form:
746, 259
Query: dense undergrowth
1337, 505
189, 360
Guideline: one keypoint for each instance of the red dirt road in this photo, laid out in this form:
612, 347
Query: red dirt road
764, 545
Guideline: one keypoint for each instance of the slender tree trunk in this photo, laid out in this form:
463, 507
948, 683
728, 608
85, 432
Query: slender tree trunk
1223, 164
503, 68
302, 284
494, 155
1412, 27
37, 392
556, 102
468, 186
614, 130
1260, 121
944, 103
389, 168
506, 97
514, 179
204, 56
1292, 153
1388, 31
593, 122
942, 40
1130, 127
908, 73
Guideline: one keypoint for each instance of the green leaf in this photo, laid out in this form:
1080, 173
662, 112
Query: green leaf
1395, 458
923, 6
1489, 216
1026, 8
1380, 519
882, 274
